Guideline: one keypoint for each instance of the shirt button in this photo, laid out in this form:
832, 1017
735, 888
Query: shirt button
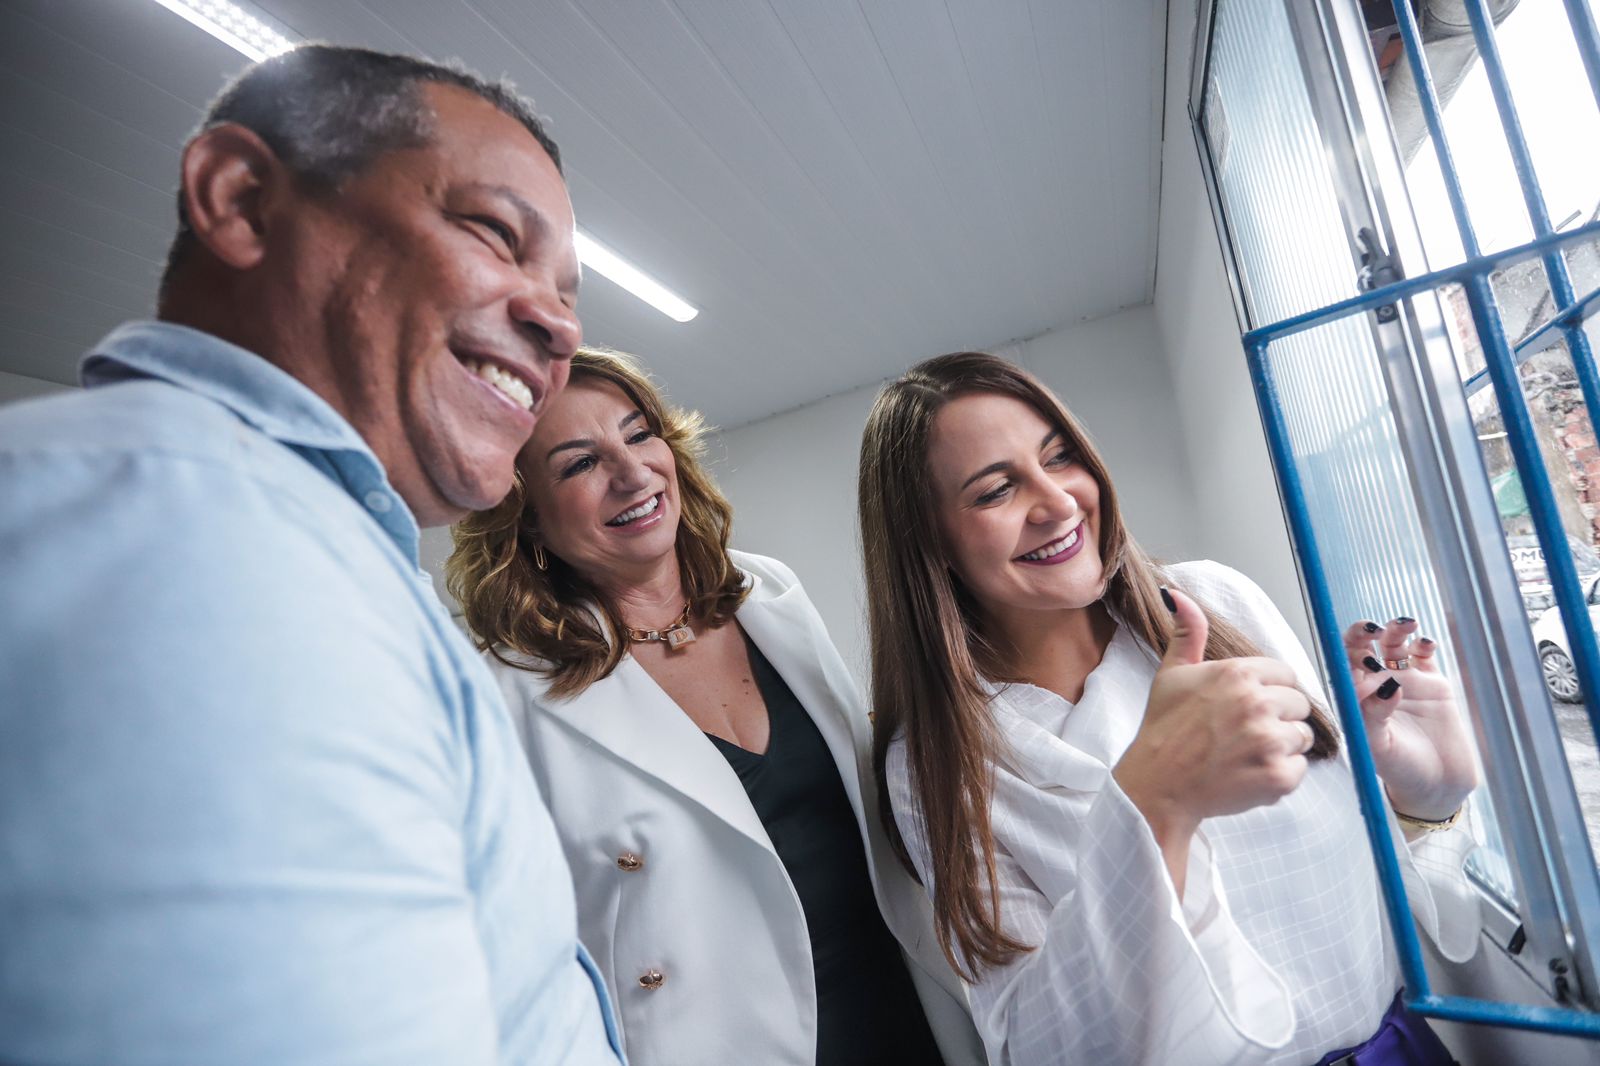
651, 980
379, 502
629, 862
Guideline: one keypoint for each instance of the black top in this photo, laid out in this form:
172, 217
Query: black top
867, 1008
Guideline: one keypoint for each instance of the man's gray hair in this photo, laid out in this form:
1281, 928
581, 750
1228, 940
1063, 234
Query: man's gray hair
329, 112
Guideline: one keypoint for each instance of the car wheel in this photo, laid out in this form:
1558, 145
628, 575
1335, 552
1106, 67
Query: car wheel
1560, 676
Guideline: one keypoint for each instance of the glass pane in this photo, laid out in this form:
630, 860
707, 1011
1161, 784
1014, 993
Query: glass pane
1271, 167
1583, 263
1369, 534
1567, 444
1281, 206
1282, 192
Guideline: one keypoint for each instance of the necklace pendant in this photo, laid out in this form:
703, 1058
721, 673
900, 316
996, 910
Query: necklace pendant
678, 636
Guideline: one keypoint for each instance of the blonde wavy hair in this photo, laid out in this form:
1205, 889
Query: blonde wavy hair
565, 628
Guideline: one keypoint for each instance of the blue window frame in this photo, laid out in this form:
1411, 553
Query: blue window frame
1349, 334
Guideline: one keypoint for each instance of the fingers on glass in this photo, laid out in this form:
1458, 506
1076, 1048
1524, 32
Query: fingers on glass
1396, 646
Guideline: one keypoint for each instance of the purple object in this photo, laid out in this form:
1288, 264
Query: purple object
1403, 1039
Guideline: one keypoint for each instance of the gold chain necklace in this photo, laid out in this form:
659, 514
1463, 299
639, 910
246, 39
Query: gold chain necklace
674, 636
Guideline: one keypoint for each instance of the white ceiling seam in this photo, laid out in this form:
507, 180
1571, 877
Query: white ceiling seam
842, 188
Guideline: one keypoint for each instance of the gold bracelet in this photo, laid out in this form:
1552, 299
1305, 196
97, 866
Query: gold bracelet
1424, 824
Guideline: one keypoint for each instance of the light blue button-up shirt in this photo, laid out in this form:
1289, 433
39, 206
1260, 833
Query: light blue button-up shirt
260, 802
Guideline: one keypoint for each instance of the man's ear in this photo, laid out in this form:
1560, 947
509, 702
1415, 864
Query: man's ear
230, 176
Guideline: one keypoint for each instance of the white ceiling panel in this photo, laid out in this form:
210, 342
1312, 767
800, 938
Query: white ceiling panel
842, 187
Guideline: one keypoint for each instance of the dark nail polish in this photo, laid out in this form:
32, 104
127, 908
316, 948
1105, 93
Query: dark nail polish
1425, 640
1403, 620
1388, 688
1371, 627
1166, 598
1372, 664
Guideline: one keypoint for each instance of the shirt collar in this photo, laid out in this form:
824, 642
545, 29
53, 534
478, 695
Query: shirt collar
1050, 708
261, 395
1105, 718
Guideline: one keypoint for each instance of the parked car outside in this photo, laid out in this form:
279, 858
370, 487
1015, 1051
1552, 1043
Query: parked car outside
1555, 652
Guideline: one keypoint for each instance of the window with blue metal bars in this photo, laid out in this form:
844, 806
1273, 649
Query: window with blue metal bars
1419, 337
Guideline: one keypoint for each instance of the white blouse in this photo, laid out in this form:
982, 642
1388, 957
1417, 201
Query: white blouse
1278, 951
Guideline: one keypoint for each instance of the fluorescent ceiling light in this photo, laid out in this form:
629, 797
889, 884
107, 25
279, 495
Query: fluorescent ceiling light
253, 35
231, 24
602, 260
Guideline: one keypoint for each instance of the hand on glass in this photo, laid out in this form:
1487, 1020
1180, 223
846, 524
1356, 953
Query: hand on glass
1417, 733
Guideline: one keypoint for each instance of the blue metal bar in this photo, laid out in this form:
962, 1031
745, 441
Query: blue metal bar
1552, 533
1501, 366
1374, 808
1434, 114
1571, 316
1502, 373
1587, 39
1399, 290
1555, 266
1509, 1015
1369, 789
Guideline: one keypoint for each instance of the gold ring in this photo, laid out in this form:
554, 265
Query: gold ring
1311, 737
1402, 663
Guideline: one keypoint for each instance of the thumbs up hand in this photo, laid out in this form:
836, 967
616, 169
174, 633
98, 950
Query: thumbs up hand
1217, 738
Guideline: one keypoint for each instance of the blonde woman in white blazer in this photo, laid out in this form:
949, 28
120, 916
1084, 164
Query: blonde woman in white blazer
704, 752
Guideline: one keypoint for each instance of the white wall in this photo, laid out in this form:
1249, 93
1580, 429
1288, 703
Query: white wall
792, 477
1240, 520
15, 387
792, 481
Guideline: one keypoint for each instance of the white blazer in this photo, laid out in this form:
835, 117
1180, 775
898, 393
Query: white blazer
682, 900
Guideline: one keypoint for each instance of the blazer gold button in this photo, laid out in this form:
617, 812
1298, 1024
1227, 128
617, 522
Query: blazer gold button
629, 862
651, 980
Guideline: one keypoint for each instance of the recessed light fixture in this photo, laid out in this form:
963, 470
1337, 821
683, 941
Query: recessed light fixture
602, 260
254, 35
241, 30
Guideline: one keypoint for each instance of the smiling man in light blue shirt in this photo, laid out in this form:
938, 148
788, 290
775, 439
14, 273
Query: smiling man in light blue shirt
259, 801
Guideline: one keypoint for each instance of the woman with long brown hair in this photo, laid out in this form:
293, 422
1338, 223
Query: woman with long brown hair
1135, 824
700, 745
